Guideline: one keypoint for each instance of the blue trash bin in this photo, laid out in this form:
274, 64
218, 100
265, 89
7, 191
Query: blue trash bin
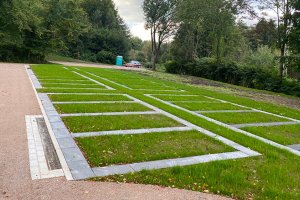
119, 61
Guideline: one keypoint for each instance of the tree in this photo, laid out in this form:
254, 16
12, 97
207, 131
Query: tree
160, 19
283, 10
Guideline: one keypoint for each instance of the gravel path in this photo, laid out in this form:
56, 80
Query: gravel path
17, 99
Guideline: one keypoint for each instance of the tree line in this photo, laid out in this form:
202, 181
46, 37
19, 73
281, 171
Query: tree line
83, 29
210, 39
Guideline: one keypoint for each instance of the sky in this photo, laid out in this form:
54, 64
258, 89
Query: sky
132, 13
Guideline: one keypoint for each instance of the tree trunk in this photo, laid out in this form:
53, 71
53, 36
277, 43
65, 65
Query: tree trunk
153, 60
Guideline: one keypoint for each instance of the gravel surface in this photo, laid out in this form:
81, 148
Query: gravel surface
17, 99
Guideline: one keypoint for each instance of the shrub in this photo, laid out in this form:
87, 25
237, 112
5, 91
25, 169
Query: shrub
106, 57
229, 72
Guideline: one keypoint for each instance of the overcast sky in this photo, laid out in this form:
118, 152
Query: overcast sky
132, 13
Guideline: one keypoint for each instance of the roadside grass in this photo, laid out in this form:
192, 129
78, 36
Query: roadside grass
88, 97
286, 135
76, 90
274, 175
107, 123
103, 107
203, 106
108, 150
72, 86
244, 118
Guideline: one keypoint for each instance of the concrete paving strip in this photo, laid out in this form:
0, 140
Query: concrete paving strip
131, 132
160, 164
264, 124
225, 111
39, 168
109, 114
95, 102
295, 146
272, 143
34, 79
99, 83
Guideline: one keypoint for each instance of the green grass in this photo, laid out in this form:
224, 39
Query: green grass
71, 86
244, 118
107, 123
183, 98
286, 135
274, 175
208, 106
65, 81
108, 150
74, 90
98, 97
103, 107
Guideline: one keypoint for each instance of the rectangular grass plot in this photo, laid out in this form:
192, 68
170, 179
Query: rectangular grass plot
286, 135
208, 106
75, 90
108, 150
121, 122
92, 97
183, 98
99, 108
244, 118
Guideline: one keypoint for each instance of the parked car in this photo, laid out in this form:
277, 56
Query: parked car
134, 63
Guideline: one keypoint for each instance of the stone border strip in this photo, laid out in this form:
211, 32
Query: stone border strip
74, 158
110, 88
160, 164
34, 79
270, 142
264, 124
295, 146
37, 159
131, 132
60, 155
109, 114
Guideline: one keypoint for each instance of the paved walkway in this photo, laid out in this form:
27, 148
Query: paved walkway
17, 100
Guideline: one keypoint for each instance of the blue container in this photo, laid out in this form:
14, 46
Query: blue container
119, 61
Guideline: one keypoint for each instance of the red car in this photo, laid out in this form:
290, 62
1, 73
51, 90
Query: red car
136, 64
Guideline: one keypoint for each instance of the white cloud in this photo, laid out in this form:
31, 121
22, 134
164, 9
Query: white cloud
132, 13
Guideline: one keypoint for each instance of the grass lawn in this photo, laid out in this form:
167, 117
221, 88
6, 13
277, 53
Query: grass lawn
74, 90
287, 134
108, 150
273, 175
107, 123
203, 106
183, 98
72, 86
98, 97
244, 118
49, 81
103, 107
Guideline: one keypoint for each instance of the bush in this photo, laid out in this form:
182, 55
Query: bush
229, 72
106, 57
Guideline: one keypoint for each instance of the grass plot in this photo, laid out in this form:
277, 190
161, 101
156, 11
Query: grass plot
75, 97
287, 135
244, 118
205, 106
108, 150
107, 123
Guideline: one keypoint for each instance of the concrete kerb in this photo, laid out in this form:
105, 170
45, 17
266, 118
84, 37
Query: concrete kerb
272, 143
60, 155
